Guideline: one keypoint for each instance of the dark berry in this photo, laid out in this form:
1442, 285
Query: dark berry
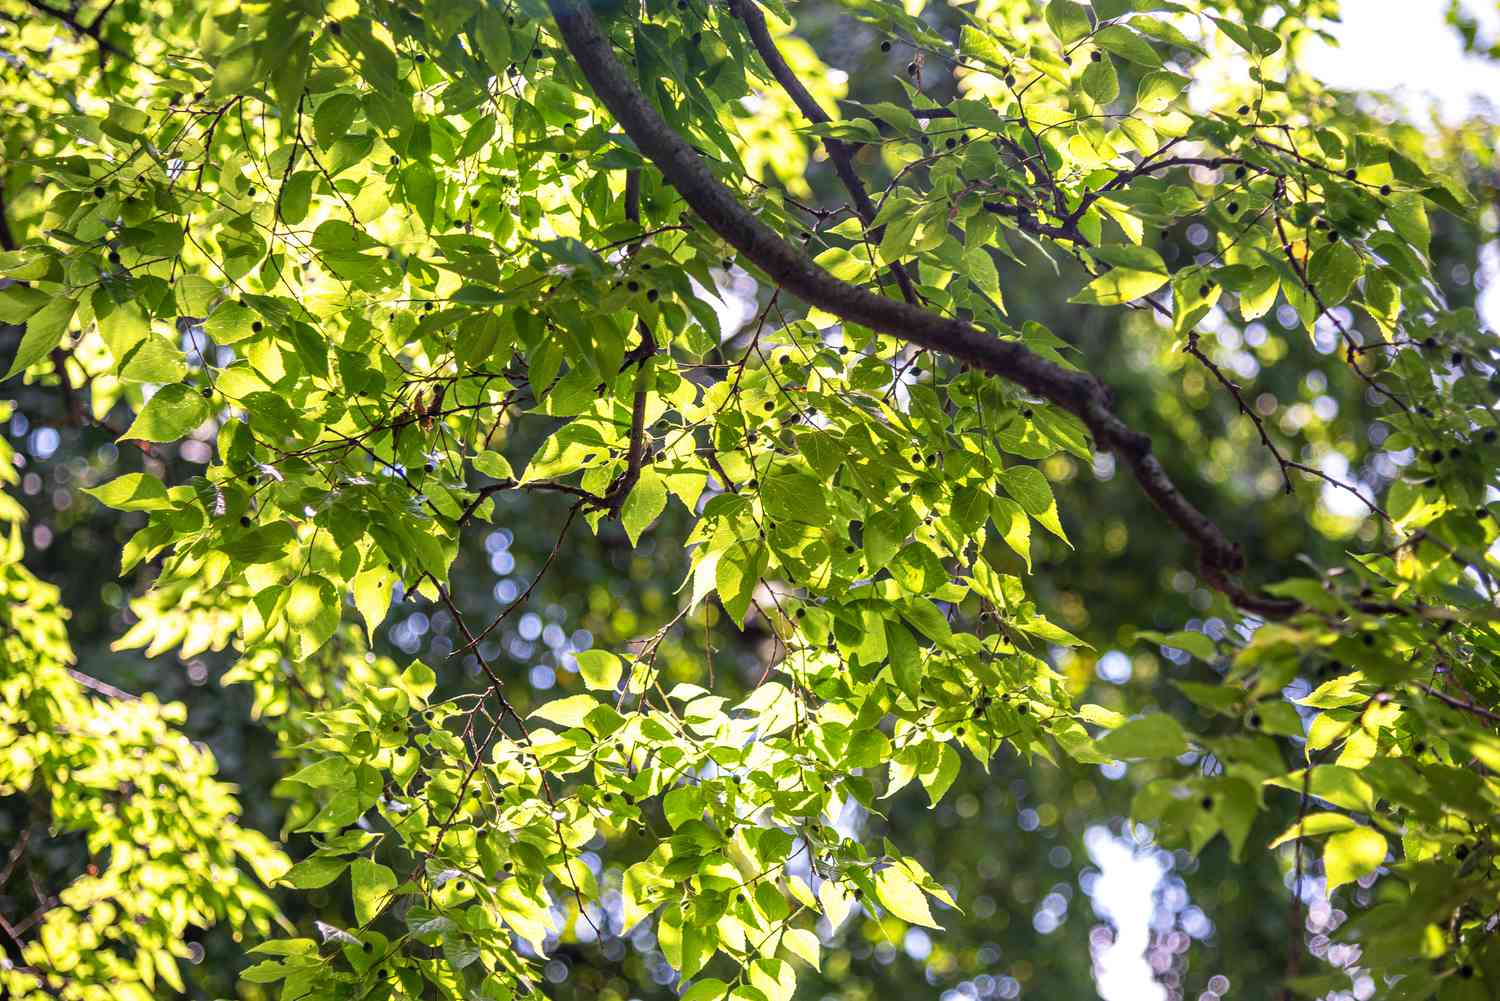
652, 295
1385, 189
1233, 208
98, 192
245, 520
885, 46
114, 257
1207, 802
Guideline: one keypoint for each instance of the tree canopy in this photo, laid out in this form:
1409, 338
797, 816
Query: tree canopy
849, 382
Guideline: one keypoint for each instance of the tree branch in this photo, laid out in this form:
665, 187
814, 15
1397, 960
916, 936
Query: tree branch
1078, 392
840, 153
635, 452
91, 30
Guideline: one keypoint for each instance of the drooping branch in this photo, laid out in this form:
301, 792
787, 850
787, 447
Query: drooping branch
635, 451
840, 153
1078, 392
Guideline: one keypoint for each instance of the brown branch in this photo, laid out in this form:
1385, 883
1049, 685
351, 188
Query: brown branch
91, 30
840, 153
93, 684
584, 497
1453, 703
1077, 392
615, 496
7, 239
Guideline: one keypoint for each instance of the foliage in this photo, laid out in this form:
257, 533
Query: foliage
393, 266
161, 829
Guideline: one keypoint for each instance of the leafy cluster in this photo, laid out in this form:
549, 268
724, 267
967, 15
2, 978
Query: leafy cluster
163, 847
386, 265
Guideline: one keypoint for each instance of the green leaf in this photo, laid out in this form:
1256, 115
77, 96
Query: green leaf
1352, 855
1100, 81
1333, 271
600, 670
169, 415
132, 492
1194, 642
1069, 21
312, 610
707, 989
803, 944
918, 570
569, 712
1126, 44
1153, 736
1010, 521
1408, 216
1157, 90
900, 894
794, 497
1120, 285
1313, 825
315, 873
44, 331
647, 500
1032, 491
938, 779
231, 323
1259, 294
371, 884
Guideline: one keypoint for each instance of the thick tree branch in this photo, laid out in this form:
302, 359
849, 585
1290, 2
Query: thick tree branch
840, 153
1078, 392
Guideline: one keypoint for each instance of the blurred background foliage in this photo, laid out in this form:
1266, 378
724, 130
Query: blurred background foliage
1023, 847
